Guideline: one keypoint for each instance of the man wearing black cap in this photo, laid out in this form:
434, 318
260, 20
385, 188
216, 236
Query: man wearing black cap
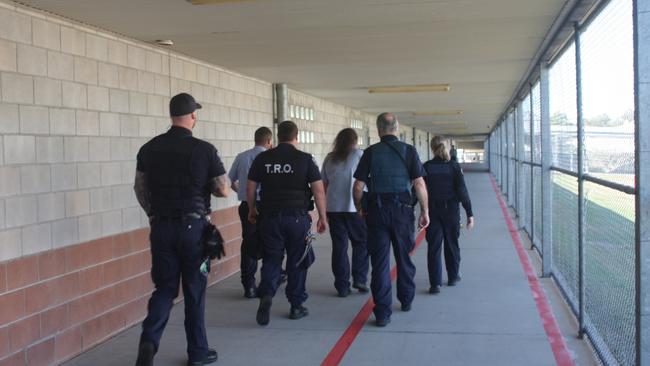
176, 173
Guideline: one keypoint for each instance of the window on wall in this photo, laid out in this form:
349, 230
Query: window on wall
301, 112
306, 137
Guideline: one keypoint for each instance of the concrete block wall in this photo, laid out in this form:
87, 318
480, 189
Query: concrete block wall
76, 104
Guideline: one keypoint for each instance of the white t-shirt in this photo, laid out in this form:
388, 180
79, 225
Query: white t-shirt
339, 179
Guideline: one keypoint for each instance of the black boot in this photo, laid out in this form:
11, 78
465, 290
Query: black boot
211, 357
264, 311
298, 312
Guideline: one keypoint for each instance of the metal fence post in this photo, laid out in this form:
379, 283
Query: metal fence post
547, 218
641, 14
520, 164
581, 185
532, 168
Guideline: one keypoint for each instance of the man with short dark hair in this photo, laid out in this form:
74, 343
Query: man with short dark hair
175, 175
288, 178
239, 176
390, 169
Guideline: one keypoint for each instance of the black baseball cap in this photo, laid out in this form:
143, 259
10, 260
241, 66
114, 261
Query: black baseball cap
182, 104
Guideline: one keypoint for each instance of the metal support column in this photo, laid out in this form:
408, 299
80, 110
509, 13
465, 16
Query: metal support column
520, 165
281, 102
581, 186
547, 219
642, 161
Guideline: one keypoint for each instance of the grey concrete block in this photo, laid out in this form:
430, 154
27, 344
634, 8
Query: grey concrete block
47, 92
117, 52
64, 177
65, 232
9, 119
37, 238
111, 222
99, 149
146, 83
123, 196
119, 101
156, 106
35, 179
98, 98
60, 66
129, 125
89, 175
17, 88
2, 214
63, 122
136, 57
15, 27
75, 149
9, 181
46, 34
49, 149
154, 62
147, 126
128, 78
51, 206
19, 149
128, 172
109, 124
73, 41
137, 103
90, 227
131, 218
108, 75
74, 95
77, 203
111, 173
8, 58
23, 211
161, 85
120, 149
85, 70
32, 60
101, 199
34, 120
96, 47
87, 123
11, 244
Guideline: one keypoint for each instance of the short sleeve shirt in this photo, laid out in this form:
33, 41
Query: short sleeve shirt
339, 179
412, 159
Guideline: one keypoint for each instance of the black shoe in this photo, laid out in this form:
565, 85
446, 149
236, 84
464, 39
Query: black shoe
146, 351
211, 357
344, 293
264, 311
406, 307
434, 289
298, 312
361, 287
382, 322
250, 293
454, 281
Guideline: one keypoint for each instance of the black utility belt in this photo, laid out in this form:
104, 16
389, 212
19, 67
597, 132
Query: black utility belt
284, 212
444, 203
192, 215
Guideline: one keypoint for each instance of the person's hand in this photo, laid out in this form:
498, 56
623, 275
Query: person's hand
321, 225
362, 214
470, 223
424, 220
252, 216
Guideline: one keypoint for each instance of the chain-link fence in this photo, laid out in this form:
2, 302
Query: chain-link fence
564, 156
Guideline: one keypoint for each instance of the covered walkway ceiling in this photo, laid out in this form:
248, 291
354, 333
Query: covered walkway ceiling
335, 49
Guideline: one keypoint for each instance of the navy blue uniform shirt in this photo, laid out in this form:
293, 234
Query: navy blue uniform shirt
445, 182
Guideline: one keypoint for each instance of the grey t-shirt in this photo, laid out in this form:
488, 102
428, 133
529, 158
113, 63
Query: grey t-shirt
339, 179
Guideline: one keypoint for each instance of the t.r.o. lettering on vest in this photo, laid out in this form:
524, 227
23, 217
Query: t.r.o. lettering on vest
278, 168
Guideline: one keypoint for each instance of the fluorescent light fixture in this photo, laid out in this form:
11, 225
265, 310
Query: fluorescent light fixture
410, 88
164, 42
449, 112
212, 2
448, 123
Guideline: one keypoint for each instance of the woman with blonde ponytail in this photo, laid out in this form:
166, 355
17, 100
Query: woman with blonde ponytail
446, 188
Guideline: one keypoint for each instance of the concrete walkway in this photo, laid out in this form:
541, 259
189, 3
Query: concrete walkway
490, 318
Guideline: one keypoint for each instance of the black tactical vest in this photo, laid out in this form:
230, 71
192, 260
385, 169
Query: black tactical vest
175, 191
284, 183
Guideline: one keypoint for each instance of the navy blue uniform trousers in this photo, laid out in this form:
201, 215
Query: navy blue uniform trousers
344, 227
248, 265
177, 253
392, 223
284, 231
444, 228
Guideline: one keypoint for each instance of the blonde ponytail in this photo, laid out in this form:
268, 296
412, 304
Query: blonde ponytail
439, 148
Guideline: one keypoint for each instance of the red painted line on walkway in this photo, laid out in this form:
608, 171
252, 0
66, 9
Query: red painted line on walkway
341, 347
559, 347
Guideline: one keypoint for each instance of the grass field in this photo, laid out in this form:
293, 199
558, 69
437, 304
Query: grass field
609, 258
